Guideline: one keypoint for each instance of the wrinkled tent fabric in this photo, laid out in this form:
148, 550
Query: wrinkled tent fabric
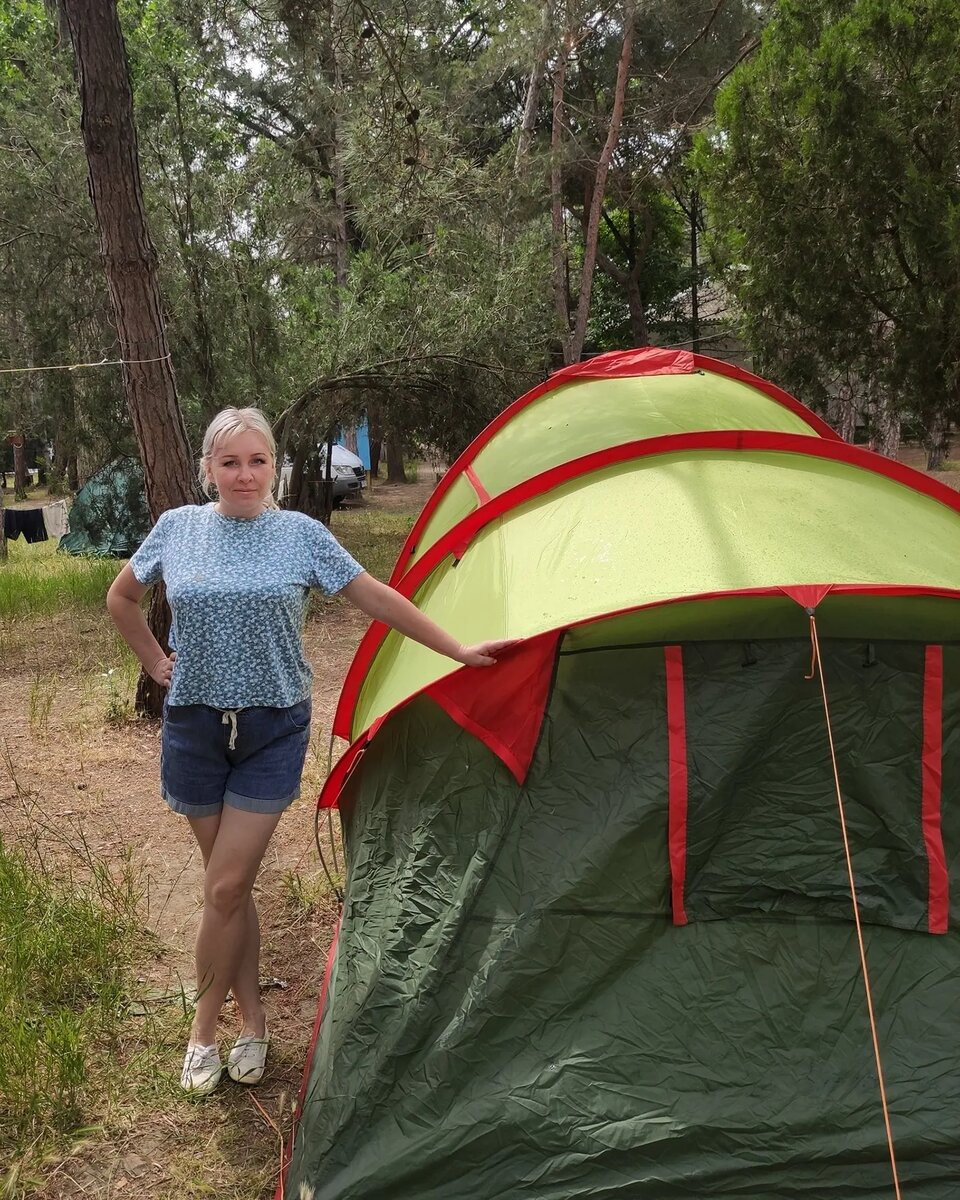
634, 974
109, 517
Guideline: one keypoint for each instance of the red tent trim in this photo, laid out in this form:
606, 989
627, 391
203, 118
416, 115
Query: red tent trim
331, 789
677, 780
457, 539
461, 534
648, 360
938, 906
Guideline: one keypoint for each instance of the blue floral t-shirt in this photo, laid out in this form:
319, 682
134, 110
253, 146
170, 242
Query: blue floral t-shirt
238, 589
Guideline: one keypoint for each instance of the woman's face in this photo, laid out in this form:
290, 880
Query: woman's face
241, 468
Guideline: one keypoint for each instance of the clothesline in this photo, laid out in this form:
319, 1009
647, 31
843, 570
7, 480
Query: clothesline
113, 362
37, 524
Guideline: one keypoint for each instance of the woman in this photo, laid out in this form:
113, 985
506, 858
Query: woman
237, 715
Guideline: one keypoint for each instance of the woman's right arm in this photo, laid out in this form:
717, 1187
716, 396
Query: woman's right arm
123, 604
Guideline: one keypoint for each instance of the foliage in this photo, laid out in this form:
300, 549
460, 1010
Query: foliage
831, 175
665, 277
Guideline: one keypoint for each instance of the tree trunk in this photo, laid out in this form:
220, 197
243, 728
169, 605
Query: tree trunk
19, 470
296, 495
599, 185
694, 273
884, 424
561, 290
375, 428
638, 317
936, 442
129, 260
532, 102
395, 471
842, 412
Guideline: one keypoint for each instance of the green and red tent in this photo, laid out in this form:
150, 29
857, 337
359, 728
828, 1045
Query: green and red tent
598, 938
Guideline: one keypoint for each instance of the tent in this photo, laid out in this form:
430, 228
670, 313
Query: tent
598, 937
109, 517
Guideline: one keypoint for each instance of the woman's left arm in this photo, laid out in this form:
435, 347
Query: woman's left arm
383, 603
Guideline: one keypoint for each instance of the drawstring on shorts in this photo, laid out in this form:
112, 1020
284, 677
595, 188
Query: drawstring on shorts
230, 718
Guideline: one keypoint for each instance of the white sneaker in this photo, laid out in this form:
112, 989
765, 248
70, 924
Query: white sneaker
201, 1070
248, 1058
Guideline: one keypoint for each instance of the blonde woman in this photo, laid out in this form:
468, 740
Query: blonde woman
236, 723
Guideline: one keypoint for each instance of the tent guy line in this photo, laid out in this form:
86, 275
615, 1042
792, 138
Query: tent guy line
817, 668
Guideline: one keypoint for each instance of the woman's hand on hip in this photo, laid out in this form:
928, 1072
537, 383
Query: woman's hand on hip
162, 669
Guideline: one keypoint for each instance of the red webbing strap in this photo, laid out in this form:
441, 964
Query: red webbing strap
482, 494
818, 667
677, 782
931, 774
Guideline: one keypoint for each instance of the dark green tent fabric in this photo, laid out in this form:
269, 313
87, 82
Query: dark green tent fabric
512, 1012
109, 517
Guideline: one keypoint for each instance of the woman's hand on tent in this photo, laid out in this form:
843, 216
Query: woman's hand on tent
484, 654
162, 669
385, 604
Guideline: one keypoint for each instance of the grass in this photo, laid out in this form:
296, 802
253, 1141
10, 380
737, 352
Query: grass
373, 536
37, 581
66, 960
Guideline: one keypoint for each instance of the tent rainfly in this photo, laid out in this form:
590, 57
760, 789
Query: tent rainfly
598, 937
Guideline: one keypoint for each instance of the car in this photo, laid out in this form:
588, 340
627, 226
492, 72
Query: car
349, 474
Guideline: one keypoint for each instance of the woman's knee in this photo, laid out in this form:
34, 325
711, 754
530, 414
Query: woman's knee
227, 894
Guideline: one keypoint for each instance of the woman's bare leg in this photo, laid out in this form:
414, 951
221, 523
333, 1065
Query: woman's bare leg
227, 951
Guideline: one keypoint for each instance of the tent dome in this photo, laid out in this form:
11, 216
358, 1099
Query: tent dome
598, 934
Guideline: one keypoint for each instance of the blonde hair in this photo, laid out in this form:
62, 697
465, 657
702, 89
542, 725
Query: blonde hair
227, 424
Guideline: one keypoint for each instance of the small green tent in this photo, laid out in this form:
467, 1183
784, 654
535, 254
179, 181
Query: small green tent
598, 937
109, 517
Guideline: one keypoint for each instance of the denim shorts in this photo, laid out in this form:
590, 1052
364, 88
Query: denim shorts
249, 758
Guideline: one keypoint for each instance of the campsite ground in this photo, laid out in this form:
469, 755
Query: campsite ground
78, 777
78, 781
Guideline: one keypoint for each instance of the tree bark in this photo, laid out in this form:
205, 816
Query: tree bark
599, 185
884, 424
532, 102
561, 290
395, 471
130, 263
19, 471
375, 429
936, 442
842, 411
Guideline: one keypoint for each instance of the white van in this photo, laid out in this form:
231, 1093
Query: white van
349, 475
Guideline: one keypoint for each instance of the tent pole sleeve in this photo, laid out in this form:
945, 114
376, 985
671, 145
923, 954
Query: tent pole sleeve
931, 770
677, 785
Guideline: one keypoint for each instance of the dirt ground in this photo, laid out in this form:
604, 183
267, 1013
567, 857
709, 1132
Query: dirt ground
75, 784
